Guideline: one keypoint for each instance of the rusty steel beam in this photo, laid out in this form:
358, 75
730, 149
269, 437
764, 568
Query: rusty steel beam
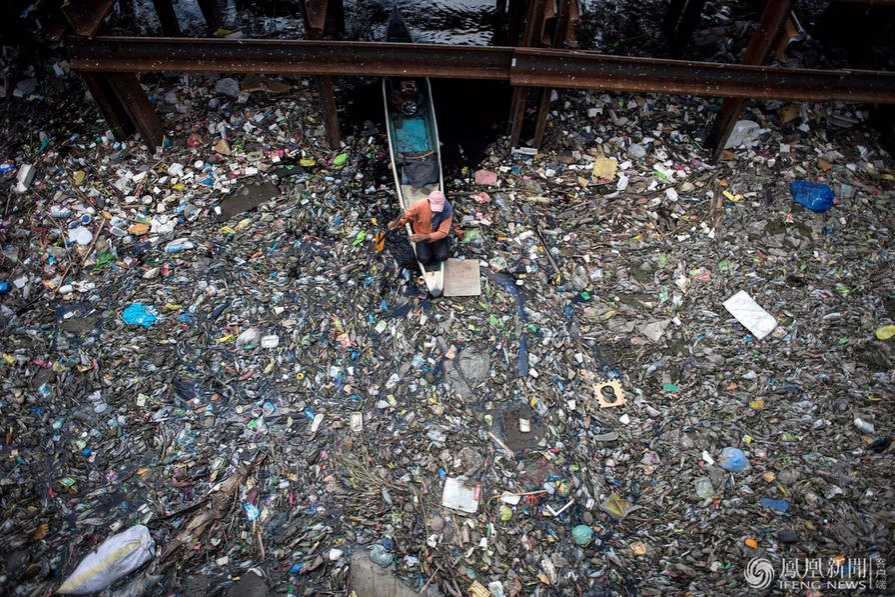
770, 25
336, 58
142, 113
577, 70
521, 95
86, 16
164, 9
330, 111
315, 15
109, 105
529, 67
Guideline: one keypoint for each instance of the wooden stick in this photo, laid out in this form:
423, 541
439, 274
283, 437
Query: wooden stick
431, 578
549, 255
500, 443
102, 225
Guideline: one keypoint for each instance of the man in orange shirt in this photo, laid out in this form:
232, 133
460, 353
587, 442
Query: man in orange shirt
431, 220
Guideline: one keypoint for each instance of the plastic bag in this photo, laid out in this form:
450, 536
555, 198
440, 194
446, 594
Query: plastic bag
115, 557
815, 196
733, 459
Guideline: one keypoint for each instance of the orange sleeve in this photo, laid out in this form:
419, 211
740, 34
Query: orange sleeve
410, 214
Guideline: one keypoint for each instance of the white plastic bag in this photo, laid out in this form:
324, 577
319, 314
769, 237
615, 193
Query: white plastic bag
744, 308
117, 556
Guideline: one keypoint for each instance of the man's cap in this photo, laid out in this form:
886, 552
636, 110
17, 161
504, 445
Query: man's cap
436, 201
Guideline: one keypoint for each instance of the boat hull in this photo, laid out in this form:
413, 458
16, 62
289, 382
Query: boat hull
415, 154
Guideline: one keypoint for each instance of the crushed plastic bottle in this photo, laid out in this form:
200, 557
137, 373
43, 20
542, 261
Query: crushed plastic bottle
704, 488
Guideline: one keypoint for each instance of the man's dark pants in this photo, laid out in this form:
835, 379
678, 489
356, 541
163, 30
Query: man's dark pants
428, 253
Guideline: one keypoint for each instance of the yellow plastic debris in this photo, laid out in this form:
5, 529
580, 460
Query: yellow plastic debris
605, 168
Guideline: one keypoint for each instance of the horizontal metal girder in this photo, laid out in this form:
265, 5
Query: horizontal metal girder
580, 70
569, 69
126, 54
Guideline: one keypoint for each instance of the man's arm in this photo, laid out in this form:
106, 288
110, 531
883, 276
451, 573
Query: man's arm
443, 230
407, 217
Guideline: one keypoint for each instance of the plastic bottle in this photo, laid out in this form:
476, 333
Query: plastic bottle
179, 246
814, 196
704, 488
864, 426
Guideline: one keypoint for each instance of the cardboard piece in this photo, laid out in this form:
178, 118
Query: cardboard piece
460, 496
461, 277
613, 388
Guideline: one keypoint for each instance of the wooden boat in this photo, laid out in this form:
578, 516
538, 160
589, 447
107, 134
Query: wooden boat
413, 143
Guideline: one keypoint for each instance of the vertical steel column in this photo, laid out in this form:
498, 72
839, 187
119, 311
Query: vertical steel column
683, 29
556, 41
769, 26
672, 18
142, 113
167, 17
520, 94
211, 12
109, 106
315, 13
330, 115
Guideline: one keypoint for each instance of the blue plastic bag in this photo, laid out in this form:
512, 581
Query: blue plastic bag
733, 459
813, 195
138, 314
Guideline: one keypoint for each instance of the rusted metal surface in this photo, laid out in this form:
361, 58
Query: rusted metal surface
129, 54
211, 12
521, 67
569, 69
330, 112
109, 105
164, 9
87, 16
568, 13
519, 104
315, 14
142, 113
770, 25
576, 70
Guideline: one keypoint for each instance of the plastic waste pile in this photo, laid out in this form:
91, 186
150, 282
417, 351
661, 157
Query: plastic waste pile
674, 367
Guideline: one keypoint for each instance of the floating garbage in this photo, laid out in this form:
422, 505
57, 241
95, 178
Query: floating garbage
811, 195
582, 535
117, 556
230, 361
733, 459
138, 314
